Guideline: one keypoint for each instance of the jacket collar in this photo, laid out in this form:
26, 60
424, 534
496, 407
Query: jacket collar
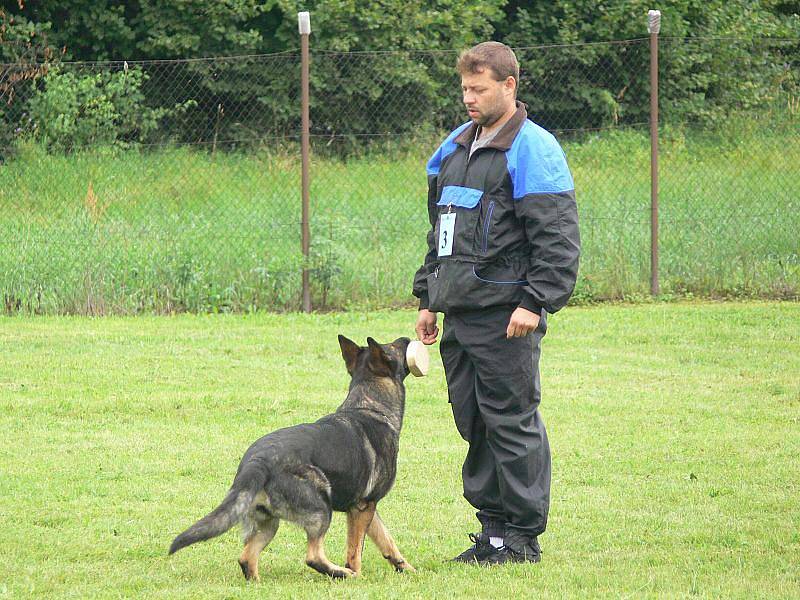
504, 138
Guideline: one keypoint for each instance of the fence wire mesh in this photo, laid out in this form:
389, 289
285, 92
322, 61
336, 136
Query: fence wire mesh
175, 185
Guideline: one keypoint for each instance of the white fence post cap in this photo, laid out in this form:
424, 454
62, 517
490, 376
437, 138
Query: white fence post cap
304, 23
654, 21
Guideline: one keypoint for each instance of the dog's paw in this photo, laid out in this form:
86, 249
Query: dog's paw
342, 573
404, 567
246, 570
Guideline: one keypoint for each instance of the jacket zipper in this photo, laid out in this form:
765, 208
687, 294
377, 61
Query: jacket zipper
486, 224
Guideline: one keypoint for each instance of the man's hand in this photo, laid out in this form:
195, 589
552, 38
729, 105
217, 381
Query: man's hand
522, 323
426, 327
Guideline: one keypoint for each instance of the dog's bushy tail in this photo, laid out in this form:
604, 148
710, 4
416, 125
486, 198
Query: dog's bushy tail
225, 516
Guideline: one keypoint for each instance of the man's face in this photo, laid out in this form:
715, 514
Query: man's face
486, 98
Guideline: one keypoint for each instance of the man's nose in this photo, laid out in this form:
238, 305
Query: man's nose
469, 98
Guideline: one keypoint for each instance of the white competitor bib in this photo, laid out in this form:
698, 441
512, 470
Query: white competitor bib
447, 225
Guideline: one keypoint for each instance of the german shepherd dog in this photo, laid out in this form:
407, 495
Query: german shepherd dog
346, 462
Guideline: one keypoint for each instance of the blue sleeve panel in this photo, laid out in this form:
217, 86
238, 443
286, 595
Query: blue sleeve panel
446, 149
536, 163
544, 195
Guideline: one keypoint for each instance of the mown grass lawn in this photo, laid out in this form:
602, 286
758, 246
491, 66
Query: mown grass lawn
674, 430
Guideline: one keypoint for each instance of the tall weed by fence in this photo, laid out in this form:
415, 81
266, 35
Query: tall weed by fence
175, 185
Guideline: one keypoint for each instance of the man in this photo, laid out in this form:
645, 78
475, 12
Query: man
502, 253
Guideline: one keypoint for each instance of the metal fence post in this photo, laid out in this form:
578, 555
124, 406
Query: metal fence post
653, 27
304, 25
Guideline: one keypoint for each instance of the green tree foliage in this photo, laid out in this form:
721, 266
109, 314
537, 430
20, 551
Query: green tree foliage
24, 58
108, 30
91, 30
378, 93
700, 81
580, 84
366, 85
106, 108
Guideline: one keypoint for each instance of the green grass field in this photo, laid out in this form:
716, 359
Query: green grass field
673, 428
175, 230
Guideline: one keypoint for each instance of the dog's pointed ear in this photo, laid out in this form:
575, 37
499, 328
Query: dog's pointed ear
349, 353
379, 362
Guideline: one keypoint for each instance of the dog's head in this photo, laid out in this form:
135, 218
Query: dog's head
374, 359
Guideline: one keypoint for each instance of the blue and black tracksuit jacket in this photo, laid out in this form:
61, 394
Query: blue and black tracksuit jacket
516, 239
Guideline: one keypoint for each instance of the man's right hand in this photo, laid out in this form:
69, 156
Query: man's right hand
426, 327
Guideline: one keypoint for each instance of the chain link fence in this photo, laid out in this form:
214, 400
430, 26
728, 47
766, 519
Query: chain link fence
130, 187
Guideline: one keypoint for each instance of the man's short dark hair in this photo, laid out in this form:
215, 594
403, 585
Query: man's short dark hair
497, 57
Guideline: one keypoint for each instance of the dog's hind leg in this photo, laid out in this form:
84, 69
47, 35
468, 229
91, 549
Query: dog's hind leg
378, 533
258, 533
302, 494
358, 520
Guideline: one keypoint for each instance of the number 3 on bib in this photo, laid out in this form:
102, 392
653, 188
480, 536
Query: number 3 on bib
447, 224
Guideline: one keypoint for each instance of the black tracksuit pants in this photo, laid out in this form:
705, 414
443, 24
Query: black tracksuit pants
493, 385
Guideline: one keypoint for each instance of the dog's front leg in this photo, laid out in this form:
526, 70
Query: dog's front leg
358, 521
383, 540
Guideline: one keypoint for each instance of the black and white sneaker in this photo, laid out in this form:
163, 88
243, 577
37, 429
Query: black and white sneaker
528, 551
479, 552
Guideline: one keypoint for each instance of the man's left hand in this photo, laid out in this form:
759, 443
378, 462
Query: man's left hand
522, 323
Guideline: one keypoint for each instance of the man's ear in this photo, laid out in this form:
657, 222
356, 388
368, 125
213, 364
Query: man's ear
349, 353
510, 84
379, 362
